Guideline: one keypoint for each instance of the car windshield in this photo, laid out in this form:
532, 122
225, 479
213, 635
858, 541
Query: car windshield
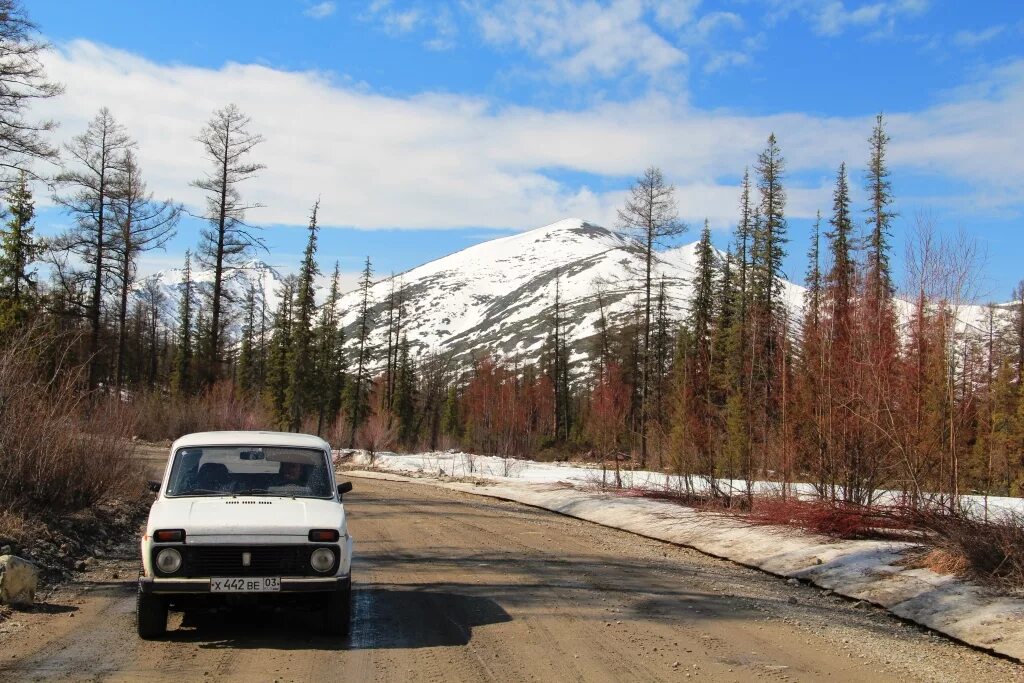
250, 470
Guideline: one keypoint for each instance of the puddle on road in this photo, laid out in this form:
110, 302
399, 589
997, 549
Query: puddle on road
364, 633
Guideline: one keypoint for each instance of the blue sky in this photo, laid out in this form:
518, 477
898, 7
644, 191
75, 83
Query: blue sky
427, 126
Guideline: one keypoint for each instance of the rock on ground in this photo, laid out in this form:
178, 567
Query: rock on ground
18, 581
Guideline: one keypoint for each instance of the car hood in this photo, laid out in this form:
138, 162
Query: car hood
245, 515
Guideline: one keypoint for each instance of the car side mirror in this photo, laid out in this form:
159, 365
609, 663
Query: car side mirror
344, 488
153, 485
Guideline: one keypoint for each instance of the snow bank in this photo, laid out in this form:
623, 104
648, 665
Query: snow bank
494, 468
863, 570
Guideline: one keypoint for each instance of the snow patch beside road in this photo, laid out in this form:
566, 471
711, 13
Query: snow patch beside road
862, 570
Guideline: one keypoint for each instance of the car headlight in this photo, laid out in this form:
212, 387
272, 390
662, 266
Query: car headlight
168, 560
322, 559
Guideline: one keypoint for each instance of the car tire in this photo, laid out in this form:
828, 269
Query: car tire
150, 615
338, 611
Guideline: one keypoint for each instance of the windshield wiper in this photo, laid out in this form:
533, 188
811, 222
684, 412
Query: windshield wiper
249, 492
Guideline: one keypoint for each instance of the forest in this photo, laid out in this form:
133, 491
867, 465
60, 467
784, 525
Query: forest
875, 385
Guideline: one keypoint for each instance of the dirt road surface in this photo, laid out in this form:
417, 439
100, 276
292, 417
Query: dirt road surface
456, 587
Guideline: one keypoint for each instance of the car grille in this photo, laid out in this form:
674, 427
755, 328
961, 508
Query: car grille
264, 560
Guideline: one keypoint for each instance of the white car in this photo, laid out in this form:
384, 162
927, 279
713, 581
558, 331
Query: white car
246, 518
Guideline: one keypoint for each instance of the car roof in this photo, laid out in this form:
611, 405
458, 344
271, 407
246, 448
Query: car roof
242, 438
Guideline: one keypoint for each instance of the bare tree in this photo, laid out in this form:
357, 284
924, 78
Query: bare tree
650, 215
141, 224
224, 244
22, 80
92, 186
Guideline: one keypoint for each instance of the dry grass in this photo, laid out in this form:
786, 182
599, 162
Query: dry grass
991, 551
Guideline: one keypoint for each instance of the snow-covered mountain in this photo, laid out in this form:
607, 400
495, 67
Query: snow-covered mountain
499, 295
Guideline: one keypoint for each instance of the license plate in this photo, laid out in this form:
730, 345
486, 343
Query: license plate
245, 584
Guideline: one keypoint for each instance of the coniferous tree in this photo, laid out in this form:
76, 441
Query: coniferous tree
358, 397
300, 395
767, 271
767, 325
880, 217
331, 364
738, 364
280, 354
650, 214
661, 349
405, 395
140, 224
18, 249
91, 187
227, 239
24, 81
451, 422
813, 366
557, 367
248, 353
839, 285
699, 380
182, 384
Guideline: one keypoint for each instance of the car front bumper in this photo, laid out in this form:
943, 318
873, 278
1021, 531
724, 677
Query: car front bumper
317, 584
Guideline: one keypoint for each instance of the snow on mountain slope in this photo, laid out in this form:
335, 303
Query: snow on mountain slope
499, 295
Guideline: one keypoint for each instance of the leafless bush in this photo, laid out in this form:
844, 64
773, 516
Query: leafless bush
992, 551
378, 433
158, 416
58, 451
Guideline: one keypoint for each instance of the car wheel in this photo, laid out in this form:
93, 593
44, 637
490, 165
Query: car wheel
150, 615
338, 611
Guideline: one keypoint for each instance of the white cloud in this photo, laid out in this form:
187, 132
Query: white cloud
437, 160
726, 59
833, 17
675, 13
445, 31
586, 39
321, 10
970, 39
714, 21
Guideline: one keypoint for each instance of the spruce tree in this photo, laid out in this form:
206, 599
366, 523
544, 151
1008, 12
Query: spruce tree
557, 366
695, 386
880, 216
358, 398
299, 397
18, 249
405, 395
840, 279
771, 231
813, 292
330, 355
248, 363
280, 353
661, 348
451, 422
182, 384
702, 297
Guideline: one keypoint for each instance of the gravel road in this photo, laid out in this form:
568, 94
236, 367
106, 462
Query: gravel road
450, 586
